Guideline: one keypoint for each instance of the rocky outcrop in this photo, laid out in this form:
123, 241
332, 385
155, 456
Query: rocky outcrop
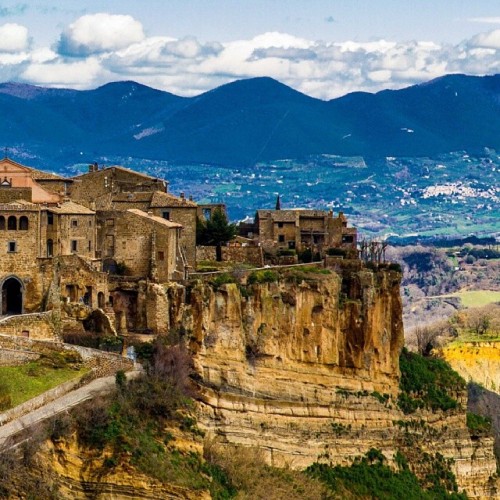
307, 368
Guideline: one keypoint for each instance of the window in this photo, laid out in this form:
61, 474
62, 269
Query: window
74, 223
207, 213
12, 223
166, 215
110, 222
90, 223
291, 245
50, 248
74, 245
23, 223
161, 256
281, 238
2, 222
280, 224
90, 246
11, 247
50, 218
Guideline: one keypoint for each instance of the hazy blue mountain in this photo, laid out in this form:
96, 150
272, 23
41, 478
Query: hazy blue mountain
248, 121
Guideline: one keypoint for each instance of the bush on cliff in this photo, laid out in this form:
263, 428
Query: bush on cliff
427, 382
371, 477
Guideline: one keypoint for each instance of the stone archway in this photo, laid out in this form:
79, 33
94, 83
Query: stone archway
12, 295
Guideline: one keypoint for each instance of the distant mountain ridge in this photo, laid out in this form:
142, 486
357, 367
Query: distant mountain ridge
248, 121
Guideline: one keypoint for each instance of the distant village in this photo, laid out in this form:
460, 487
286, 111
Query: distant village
90, 242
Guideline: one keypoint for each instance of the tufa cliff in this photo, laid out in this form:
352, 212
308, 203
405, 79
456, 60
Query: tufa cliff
305, 365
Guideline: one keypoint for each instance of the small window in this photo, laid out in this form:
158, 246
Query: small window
23, 223
2, 222
281, 238
90, 246
280, 224
207, 213
50, 218
90, 223
291, 245
110, 222
161, 256
347, 239
166, 215
11, 247
74, 245
74, 223
50, 248
12, 223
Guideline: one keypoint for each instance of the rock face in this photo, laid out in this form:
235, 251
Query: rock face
307, 368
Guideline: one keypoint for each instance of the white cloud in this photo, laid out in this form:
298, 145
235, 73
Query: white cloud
80, 74
97, 33
13, 38
99, 48
489, 40
485, 20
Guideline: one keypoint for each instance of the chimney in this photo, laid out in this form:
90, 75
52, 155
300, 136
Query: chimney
190, 197
182, 196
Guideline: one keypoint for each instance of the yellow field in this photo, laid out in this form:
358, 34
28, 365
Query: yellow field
477, 298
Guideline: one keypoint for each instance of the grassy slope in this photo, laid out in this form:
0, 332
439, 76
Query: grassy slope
32, 379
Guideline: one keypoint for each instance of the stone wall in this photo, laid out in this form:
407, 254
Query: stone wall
14, 194
12, 357
247, 255
39, 326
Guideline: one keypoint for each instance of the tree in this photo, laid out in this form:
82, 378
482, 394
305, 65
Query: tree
215, 231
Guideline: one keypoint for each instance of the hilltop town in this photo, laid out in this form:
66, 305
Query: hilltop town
90, 242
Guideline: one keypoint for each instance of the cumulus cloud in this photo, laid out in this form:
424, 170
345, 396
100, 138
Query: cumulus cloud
489, 40
97, 33
13, 38
99, 48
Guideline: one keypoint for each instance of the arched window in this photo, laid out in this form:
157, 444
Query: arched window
12, 223
23, 223
50, 248
2, 222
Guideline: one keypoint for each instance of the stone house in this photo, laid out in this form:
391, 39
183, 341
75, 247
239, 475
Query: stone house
118, 188
144, 243
301, 229
33, 238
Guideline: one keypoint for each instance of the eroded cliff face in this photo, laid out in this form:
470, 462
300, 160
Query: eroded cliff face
308, 369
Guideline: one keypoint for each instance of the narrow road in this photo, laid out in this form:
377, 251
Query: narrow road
73, 398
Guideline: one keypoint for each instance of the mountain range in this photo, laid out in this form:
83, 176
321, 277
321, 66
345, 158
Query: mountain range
248, 121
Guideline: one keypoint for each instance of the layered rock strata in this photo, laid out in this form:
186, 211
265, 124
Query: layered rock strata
308, 368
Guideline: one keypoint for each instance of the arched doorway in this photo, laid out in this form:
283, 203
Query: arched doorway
12, 296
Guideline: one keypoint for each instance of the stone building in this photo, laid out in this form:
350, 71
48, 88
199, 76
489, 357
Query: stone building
145, 244
300, 229
63, 240
118, 188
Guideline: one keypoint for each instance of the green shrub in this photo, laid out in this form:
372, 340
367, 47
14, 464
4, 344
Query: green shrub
262, 276
222, 279
286, 252
478, 425
427, 383
369, 477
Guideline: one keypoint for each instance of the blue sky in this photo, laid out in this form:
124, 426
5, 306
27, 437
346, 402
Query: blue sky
323, 48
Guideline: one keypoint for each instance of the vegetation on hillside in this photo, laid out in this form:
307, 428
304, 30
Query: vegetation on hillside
20, 383
371, 477
428, 383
